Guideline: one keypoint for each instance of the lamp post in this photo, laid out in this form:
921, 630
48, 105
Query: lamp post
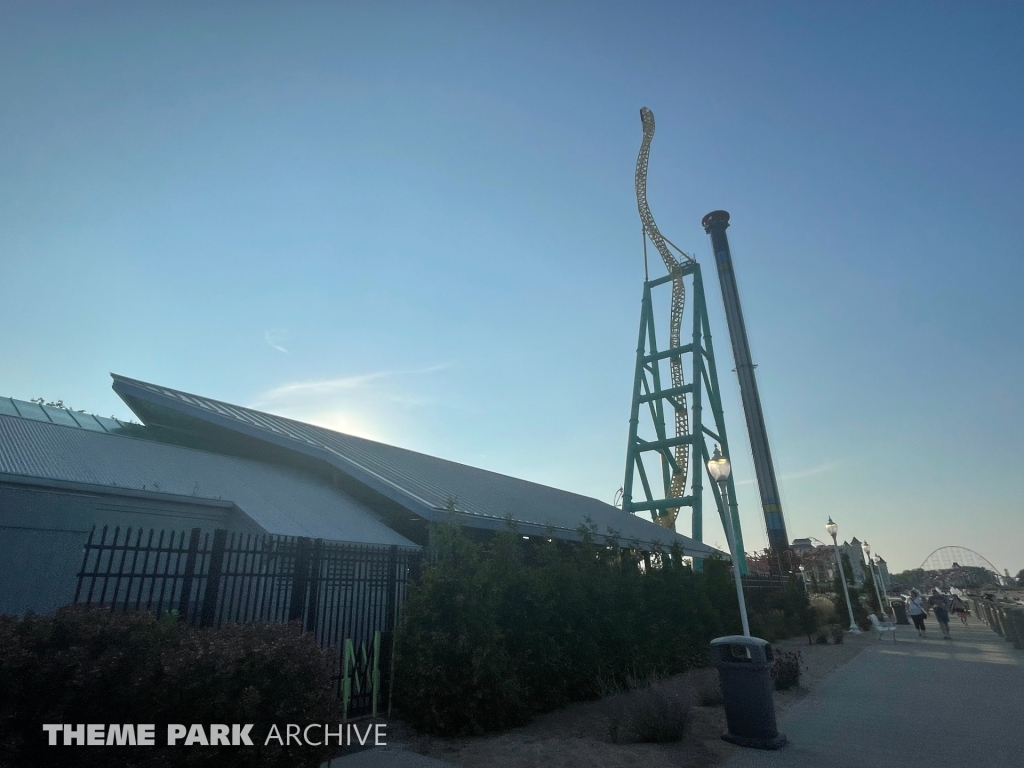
833, 529
803, 576
719, 468
878, 570
866, 548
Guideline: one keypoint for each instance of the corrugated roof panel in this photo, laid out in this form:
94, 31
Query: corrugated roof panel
424, 480
281, 500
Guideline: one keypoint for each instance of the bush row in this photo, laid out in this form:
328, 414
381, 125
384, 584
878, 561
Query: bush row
496, 632
93, 666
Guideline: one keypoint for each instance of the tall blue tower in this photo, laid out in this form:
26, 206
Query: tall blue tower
715, 224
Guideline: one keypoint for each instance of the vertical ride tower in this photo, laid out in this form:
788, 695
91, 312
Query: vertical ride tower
715, 224
665, 494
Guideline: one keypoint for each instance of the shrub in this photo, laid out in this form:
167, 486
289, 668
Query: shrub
657, 716
821, 638
650, 715
836, 634
825, 610
778, 614
495, 633
93, 666
786, 670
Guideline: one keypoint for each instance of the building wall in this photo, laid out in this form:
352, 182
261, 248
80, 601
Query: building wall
43, 530
856, 556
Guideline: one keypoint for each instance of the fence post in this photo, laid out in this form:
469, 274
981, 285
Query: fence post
392, 586
375, 675
211, 597
300, 580
85, 561
186, 582
314, 586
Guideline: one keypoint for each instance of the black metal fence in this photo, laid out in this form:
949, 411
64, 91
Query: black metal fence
758, 584
348, 595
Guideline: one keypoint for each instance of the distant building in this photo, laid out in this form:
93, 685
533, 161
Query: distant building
819, 561
852, 550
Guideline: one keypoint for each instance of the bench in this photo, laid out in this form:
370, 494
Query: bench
882, 627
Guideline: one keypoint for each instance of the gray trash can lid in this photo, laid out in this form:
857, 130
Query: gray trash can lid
741, 649
747, 642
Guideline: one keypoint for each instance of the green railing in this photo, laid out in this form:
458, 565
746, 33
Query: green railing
364, 669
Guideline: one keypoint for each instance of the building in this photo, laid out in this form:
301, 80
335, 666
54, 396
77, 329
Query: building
819, 561
195, 462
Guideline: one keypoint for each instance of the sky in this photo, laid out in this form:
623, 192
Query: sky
416, 222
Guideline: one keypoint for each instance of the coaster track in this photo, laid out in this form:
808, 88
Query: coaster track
682, 453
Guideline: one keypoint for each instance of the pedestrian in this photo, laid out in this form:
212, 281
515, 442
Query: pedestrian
917, 611
959, 608
940, 604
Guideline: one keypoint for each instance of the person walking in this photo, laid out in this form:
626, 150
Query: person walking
917, 611
940, 604
959, 608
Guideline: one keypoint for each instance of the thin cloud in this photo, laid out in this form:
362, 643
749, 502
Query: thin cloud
276, 339
320, 390
796, 475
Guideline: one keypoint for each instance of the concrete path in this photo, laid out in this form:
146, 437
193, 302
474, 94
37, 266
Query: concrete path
921, 702
391, 756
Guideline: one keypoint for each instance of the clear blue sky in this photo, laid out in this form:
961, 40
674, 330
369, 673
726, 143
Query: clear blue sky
416, 222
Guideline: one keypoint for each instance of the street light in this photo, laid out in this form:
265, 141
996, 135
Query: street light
719, 468
833, 529
867, 554
878, 569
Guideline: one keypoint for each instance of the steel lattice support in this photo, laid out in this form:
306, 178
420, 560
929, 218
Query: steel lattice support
650, 398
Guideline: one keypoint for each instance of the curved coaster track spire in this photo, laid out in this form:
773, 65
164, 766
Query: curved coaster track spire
682, 452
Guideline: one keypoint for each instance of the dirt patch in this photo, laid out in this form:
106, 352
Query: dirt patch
581, 735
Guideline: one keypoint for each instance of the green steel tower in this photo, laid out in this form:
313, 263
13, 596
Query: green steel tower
664, 497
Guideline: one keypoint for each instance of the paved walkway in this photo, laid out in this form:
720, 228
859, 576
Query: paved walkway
928, 702
393, 756
919, 702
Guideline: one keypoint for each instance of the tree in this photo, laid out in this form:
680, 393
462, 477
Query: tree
859, 612
1020, 578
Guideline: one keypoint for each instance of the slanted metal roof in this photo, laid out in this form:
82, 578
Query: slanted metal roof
278, 499
423, 484
10, 406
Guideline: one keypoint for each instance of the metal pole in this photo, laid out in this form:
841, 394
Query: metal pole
735, 558
874, 577
715, 224
842, 579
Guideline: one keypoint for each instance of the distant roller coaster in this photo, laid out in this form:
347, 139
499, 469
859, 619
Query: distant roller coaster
949, 557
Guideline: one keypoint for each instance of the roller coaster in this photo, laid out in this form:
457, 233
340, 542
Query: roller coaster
674, 451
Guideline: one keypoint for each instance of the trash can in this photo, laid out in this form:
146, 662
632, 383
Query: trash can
899, 609
744, 670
